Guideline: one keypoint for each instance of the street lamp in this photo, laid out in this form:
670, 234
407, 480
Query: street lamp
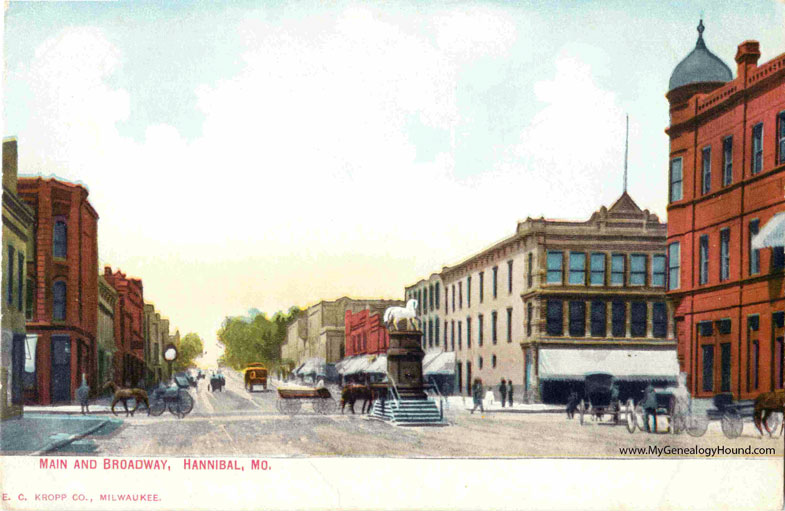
170, 355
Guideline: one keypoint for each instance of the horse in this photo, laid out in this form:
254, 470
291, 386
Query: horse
766, 404
392, 315
352, 393
121, 394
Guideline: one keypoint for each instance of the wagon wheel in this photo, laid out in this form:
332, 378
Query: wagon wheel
157, 407
629, 416
696, 426
581, 410
732, 423
773, 422
289, 406
640, 417
324, 406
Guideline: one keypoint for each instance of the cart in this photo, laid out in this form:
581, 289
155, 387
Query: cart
600, 398
731, 413
217, 383
678, 420
291, 398
176, 398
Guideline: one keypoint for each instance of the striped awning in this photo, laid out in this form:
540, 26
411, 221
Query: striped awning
772, 234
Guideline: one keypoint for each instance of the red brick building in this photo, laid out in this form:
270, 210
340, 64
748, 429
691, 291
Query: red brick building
62, 282
726, 177
129, 366
365, 333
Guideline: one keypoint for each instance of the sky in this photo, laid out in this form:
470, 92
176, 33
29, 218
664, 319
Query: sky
244, 155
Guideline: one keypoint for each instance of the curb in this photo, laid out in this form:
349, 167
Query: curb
521, 411
62, 443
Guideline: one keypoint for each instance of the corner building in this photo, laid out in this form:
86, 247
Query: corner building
726, 181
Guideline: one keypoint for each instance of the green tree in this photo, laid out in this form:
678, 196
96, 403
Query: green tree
188, 350
255, 338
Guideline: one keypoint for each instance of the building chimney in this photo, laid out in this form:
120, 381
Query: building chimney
10, 164
747, 59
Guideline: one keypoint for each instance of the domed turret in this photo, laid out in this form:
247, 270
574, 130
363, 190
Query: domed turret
700, 67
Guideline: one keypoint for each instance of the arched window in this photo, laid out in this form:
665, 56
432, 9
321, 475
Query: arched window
60, 246
58, 307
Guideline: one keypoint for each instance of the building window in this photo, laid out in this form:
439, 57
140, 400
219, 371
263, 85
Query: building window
598, 318
509, 324
425, 300
9, 294
480, 330
659, 320
468, 333
460, 335
493, 361
555, 267
509, 276
727, 161
494, 324
482, 286
754, 253
724, 254
555, 325
577, 319
658, 270
706, 168
460, 295
638, 270
495, 281
430, 332
529, 312
597, 269
60, 245
436, 290
752, 351
20, 281
638, 319
452, 334
704, 259
757, 148
708, 367
430, 298
777, 258
578, 268
675, 180
479, 362
58, 308
705, 328
674, 265
781, 137
755, 364
617, 270
453, 297
468, 291
436, 330
618, 319
29, 299
529, 269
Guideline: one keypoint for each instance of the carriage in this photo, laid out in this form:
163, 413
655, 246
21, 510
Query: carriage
291, 398
217, 382
176, 398
600, 398
679, 416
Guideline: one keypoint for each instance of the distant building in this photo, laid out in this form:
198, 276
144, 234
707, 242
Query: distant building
129, 335
62, 282
726, 175
107, 307
17, 245
156, 337
428, 292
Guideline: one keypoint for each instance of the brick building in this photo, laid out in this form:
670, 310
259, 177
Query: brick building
62, 283
129, 364
726, 177
365, 333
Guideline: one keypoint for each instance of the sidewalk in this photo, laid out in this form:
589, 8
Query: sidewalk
37, 434
100, 406
466, 403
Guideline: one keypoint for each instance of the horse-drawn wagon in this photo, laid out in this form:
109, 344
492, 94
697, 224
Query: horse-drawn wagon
291, 398
217, 382
600, 397
176, 398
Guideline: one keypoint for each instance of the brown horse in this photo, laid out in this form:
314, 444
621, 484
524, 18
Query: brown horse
352, 393
766, 404
121, 394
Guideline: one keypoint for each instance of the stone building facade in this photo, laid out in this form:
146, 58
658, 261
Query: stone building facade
17, 248
156, 334
428, 293
62, 282
726, 178
107, 306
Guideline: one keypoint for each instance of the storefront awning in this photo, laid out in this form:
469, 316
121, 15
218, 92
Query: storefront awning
442, 362
356, 364
378, 365
772, 234
629, 364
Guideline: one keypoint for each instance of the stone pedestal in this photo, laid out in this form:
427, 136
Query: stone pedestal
404, 363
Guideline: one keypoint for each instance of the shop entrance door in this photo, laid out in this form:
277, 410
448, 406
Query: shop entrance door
61, 368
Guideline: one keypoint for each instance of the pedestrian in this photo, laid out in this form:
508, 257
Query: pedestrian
649, 405
509, 392
477, 394
83, 393
503, 391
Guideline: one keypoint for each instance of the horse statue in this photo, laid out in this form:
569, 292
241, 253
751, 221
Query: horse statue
121, 394
392, 315
766, 404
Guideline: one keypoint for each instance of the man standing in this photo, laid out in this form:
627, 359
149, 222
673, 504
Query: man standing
477, 394
503, 391
649, 405
509, 392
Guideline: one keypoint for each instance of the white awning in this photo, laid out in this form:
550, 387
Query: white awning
442, 362
772, 234
624, 364
356, 364
379, 365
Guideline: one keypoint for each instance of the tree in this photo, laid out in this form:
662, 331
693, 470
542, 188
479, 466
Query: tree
189, 349
255, 338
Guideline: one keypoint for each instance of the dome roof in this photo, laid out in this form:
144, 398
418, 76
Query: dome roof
700, 66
